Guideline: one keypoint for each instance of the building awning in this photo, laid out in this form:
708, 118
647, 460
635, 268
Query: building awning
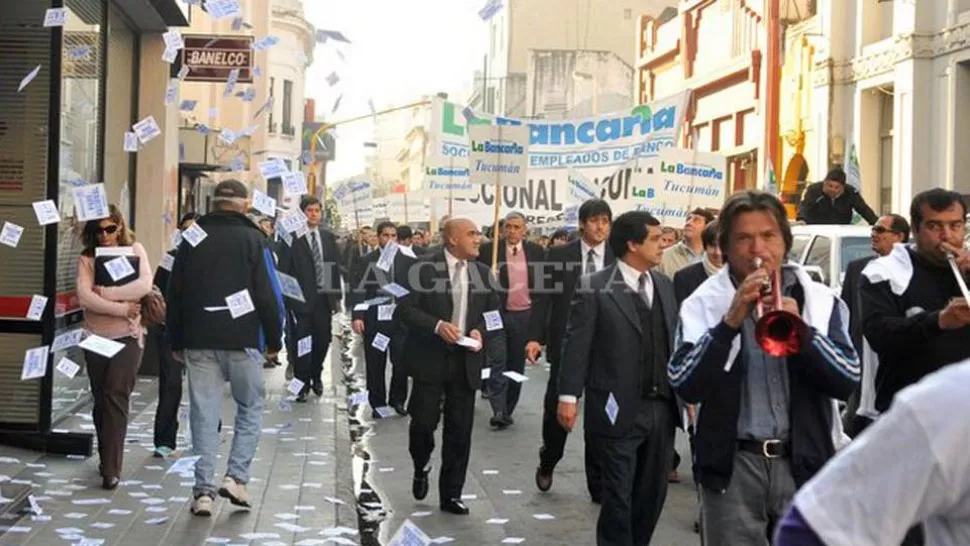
155, 15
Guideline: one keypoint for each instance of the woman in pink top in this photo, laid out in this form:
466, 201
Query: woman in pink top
113, 312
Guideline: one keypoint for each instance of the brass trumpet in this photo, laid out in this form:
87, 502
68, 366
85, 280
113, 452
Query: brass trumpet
952, 259
779, 332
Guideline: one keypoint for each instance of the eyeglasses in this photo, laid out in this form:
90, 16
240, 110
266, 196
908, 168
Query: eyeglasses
879, 230
110, 230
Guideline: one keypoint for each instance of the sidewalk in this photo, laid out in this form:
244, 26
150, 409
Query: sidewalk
296, 486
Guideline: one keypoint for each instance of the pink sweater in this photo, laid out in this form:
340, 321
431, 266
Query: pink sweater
106, 308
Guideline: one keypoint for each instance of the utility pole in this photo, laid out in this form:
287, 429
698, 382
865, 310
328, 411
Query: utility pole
772, 146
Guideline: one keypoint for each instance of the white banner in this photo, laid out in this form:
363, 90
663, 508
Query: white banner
408, 207
499, 155
593, 147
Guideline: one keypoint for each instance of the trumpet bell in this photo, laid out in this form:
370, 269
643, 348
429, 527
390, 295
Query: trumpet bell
781, 334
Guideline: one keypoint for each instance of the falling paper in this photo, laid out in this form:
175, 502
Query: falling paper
543, 516
90, 202
395, 290
187, 105
290, 287
272, 168
332, 79
183, 465
486, 373
67, 340
240, 303
515, 376
46, 212
612, 409
469, 342
183, 72
493, 321
194, 235
79, 53
131, 142
35, 363
228, 136
119, 268
10, 235
103, 346
37, 306
231, 82
385, 312
408, 534
68, 367
172, 92
264, 203
169, 55
173, 39
336, 104
304, 346
490, 9
511, 491
513, 540
221, 9
380, 342
497, 521
324, 35
28, 78
294, 184
147, 129
387, 256
167, 262
55, 17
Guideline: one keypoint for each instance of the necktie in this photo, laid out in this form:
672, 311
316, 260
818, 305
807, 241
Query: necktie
459, 296
515, 251
590, 262
644, 295
317, 257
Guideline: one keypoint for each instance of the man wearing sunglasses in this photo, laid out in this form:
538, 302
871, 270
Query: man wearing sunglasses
888, 231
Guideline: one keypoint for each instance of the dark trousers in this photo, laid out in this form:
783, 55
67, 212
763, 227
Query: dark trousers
112, 380
554, 441
169, 392
376, 367
318, 324
456, 438
635, 477
504, 393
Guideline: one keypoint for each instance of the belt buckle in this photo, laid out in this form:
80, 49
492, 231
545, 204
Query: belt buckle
765, 451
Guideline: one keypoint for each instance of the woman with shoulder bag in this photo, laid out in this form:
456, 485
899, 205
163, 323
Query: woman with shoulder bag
113, 312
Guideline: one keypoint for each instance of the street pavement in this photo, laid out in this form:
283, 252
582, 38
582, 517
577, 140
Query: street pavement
501, 480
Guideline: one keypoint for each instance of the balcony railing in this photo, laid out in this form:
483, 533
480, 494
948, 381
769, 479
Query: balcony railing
289, 130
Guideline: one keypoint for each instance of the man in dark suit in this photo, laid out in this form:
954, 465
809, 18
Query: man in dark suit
518, 262
888, 230
361, 244
405, 239
367, 321
564, 266
618, 339
450, 295
313, 260
437, 247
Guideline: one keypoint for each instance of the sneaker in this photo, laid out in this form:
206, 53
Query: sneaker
163, 452
202, 505
234, 491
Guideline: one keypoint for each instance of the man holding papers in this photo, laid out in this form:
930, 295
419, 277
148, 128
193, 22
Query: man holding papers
618, 339
224, 308
445, 312
112, 311
382, 335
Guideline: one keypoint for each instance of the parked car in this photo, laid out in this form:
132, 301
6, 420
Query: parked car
826, 250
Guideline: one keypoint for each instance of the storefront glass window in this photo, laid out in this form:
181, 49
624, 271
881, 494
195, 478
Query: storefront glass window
82, 91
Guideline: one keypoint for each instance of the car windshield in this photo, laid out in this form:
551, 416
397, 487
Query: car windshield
798, 244
854, 248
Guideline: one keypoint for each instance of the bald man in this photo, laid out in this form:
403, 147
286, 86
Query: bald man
450, 295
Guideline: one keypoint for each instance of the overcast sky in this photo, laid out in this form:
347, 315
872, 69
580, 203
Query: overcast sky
400, 51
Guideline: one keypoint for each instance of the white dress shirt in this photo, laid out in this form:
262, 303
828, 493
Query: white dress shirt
599, 254
452, 262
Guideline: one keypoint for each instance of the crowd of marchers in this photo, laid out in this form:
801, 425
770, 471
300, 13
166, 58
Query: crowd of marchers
787, 390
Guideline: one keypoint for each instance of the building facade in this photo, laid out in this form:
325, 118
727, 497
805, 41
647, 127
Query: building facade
95, 76
523, 25
275, 83
577, 84
892, 81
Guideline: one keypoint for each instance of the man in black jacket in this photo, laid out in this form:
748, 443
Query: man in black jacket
765, 423
373, 320
890, 230
689, 278
618, 339
565, 265
832, 201
445, 310
224, 307
313, 261
519, 261
914, 315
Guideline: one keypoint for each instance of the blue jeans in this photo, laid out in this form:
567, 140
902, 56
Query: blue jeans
208, 371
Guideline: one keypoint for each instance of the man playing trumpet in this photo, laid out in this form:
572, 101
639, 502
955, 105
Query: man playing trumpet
764, 350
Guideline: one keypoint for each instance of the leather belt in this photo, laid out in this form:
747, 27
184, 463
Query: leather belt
769, 449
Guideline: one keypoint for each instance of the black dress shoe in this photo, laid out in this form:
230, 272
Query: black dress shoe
419, 487
497, 421
454, 506
109, 483
301, 398
317, 388
543, 479
400, 409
